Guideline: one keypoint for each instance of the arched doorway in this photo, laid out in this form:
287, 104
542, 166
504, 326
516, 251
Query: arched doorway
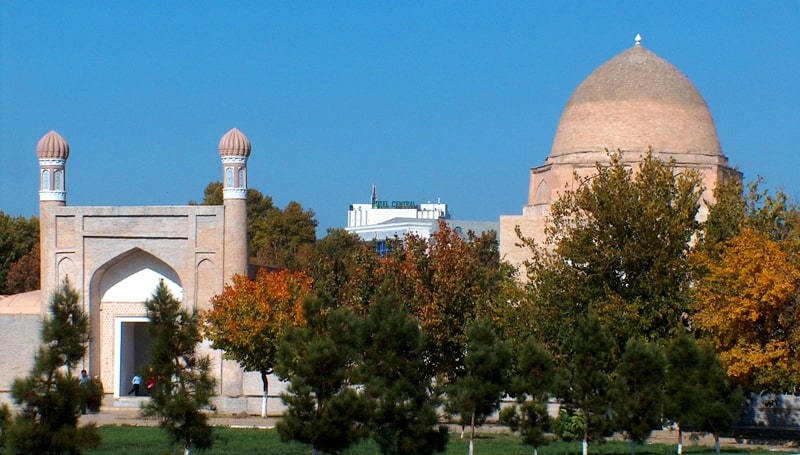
123, 286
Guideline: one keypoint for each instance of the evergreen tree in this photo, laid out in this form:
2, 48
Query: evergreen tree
50, 396
5, 423
184, 385
720, 402
697, 392
396, 384
531, 385
681, 390
319, 360
476, 394
638, 391
585, 383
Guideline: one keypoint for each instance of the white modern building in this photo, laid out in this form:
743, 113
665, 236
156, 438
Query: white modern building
379, 220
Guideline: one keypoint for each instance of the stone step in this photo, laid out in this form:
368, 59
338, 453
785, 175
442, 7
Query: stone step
128, 402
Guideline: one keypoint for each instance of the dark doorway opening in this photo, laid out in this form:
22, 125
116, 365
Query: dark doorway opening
134, 355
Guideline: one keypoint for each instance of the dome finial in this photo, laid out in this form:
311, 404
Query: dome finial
638, 39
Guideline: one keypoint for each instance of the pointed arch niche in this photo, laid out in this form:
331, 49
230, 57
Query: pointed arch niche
542, 193
121, 286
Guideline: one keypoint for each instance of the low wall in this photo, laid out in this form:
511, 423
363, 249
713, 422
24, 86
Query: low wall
19, 340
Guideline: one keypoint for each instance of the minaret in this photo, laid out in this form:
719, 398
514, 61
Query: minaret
234, 149
52, 151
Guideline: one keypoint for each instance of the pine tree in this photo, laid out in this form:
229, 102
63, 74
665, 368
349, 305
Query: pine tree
319, 360
638, 391
697, 391
5, 423
184, 386
531, 385
476, 394
50, 396
585, 382
403, 417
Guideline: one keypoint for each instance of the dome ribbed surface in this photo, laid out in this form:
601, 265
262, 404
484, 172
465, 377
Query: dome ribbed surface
52, 145
636, 100
234, 143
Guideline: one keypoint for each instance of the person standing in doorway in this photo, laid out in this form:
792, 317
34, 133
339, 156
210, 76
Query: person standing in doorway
136, 382
83, 380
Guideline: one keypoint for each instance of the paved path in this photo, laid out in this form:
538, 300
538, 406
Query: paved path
131, 416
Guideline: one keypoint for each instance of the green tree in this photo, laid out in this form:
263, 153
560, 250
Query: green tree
717, 410
726, 215
531, 384
476, 394
5, 423
403, 418
696, 392
319, 360
584, 383
638, 390
682, 392
620, 241
275, 236
736, 207
184, 385
774, 214
18, 236
50, 395
278, 238
249, 317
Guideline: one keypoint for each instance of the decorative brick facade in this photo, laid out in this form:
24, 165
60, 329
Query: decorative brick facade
115, 256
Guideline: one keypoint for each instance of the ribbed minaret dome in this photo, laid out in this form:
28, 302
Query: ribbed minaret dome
234, 143
52, 145
633, 101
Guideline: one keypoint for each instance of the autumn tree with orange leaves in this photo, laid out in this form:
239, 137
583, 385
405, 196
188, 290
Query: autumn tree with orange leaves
248, 318
446, 282
747, 308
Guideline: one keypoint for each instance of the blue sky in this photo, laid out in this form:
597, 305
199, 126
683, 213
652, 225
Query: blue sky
427, 100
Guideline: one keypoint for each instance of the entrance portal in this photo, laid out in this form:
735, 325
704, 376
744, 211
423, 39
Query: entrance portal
133, 353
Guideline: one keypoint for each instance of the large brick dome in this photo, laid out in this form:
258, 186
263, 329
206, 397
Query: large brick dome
634, 101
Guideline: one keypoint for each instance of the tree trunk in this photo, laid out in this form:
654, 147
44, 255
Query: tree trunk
680, 440
585, 445
265, 383
472, 432
633, 447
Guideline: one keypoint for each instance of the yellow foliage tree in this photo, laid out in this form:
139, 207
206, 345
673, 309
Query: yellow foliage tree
747, 308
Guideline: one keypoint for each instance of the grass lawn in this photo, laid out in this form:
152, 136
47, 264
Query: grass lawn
129, 440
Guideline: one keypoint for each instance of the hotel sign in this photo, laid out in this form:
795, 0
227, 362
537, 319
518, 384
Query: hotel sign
394, 205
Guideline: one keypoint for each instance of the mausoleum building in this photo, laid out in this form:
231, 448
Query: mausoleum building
115, 257
634, 102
